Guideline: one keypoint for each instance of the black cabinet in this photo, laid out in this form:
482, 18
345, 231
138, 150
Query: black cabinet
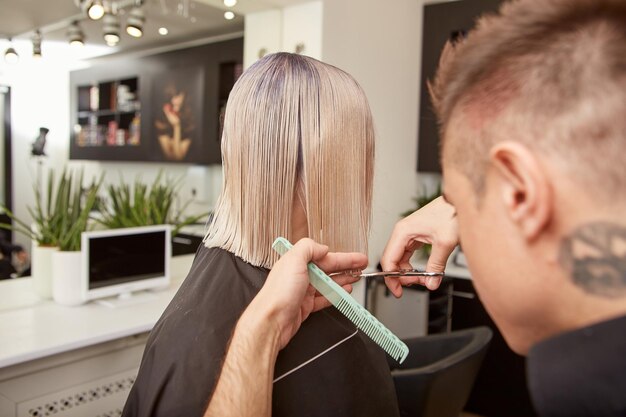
185, 244
500, 388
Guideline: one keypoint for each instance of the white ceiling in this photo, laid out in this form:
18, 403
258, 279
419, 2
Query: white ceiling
20, 18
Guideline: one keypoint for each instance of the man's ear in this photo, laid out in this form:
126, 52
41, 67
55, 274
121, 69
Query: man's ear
523, 185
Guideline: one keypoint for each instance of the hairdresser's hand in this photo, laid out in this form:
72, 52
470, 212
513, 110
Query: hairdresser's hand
435, 223
287, 299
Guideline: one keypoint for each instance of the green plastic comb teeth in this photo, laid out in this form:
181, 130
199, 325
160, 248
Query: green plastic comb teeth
350, 308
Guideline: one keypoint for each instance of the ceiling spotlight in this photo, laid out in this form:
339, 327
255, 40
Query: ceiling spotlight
75, 34
163, 31
134, 24
95, 9
111, 28
230, 3
37, 44
10, 56
229, 15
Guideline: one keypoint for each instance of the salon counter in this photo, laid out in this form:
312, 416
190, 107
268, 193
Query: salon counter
32, 329
73, 361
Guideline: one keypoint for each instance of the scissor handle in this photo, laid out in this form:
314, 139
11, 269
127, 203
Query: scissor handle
391, 274
401, 273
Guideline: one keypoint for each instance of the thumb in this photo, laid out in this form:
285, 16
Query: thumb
308, 250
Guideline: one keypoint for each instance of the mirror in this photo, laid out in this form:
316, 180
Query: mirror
5, 123
6, 236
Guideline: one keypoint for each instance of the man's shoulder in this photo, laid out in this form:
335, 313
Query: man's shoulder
581, 372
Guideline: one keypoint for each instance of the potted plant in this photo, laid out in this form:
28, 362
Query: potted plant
66, 262
44, 233
145, 205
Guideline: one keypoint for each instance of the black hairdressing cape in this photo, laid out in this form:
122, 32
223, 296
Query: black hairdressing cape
186, 348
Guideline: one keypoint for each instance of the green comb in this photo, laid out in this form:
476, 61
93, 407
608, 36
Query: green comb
356, 313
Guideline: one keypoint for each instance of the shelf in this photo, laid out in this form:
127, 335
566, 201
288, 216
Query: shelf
109, 114
84, 114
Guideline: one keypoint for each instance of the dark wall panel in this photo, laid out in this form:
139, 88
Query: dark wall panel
152, 72
442, 21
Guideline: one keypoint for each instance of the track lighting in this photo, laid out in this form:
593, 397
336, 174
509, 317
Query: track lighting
11, 56
111, 29
95, 9
75, 35
37, 44
134, 24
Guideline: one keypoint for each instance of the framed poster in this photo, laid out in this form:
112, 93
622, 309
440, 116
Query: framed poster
177, 108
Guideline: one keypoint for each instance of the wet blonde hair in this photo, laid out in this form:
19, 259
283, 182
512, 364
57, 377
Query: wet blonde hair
295, 130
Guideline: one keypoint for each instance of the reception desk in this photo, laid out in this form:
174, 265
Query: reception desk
73, 361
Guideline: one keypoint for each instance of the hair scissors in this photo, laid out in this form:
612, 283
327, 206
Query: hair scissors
390, 274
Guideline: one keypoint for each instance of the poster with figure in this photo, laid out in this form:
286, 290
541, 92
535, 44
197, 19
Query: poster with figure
177, 111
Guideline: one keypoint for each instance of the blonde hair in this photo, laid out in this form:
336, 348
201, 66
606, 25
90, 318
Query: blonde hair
548, 73
295, 130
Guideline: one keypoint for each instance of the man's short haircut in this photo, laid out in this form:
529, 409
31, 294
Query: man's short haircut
548, 73
295, 130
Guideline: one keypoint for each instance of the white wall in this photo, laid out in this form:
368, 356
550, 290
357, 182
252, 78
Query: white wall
281, 30
262, 31
302, 24
379, 43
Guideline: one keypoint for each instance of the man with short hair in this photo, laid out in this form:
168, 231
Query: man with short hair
532, 108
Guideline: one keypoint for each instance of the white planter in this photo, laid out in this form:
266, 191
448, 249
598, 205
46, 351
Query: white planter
66, 276
41, 272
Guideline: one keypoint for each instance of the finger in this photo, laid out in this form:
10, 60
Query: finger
320, 303
395, 249
412, 280
339, 261
307, 250
311, 290
344, 279
432, 283
439, 256
394, 286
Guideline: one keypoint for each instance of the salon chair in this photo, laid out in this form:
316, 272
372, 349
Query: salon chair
437, 377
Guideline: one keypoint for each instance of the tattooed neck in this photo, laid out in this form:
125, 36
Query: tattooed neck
595, 256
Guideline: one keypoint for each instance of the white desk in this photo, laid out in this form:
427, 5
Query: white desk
86, 356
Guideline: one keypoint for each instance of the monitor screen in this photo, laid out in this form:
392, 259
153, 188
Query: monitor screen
115, 260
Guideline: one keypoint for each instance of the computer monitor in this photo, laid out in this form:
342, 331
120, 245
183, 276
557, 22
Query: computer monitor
121, 261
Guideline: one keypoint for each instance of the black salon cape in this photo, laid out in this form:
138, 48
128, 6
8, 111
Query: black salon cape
185, 351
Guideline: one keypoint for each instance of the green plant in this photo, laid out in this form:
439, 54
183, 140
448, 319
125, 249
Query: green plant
78, 203
47, 215
142, 205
